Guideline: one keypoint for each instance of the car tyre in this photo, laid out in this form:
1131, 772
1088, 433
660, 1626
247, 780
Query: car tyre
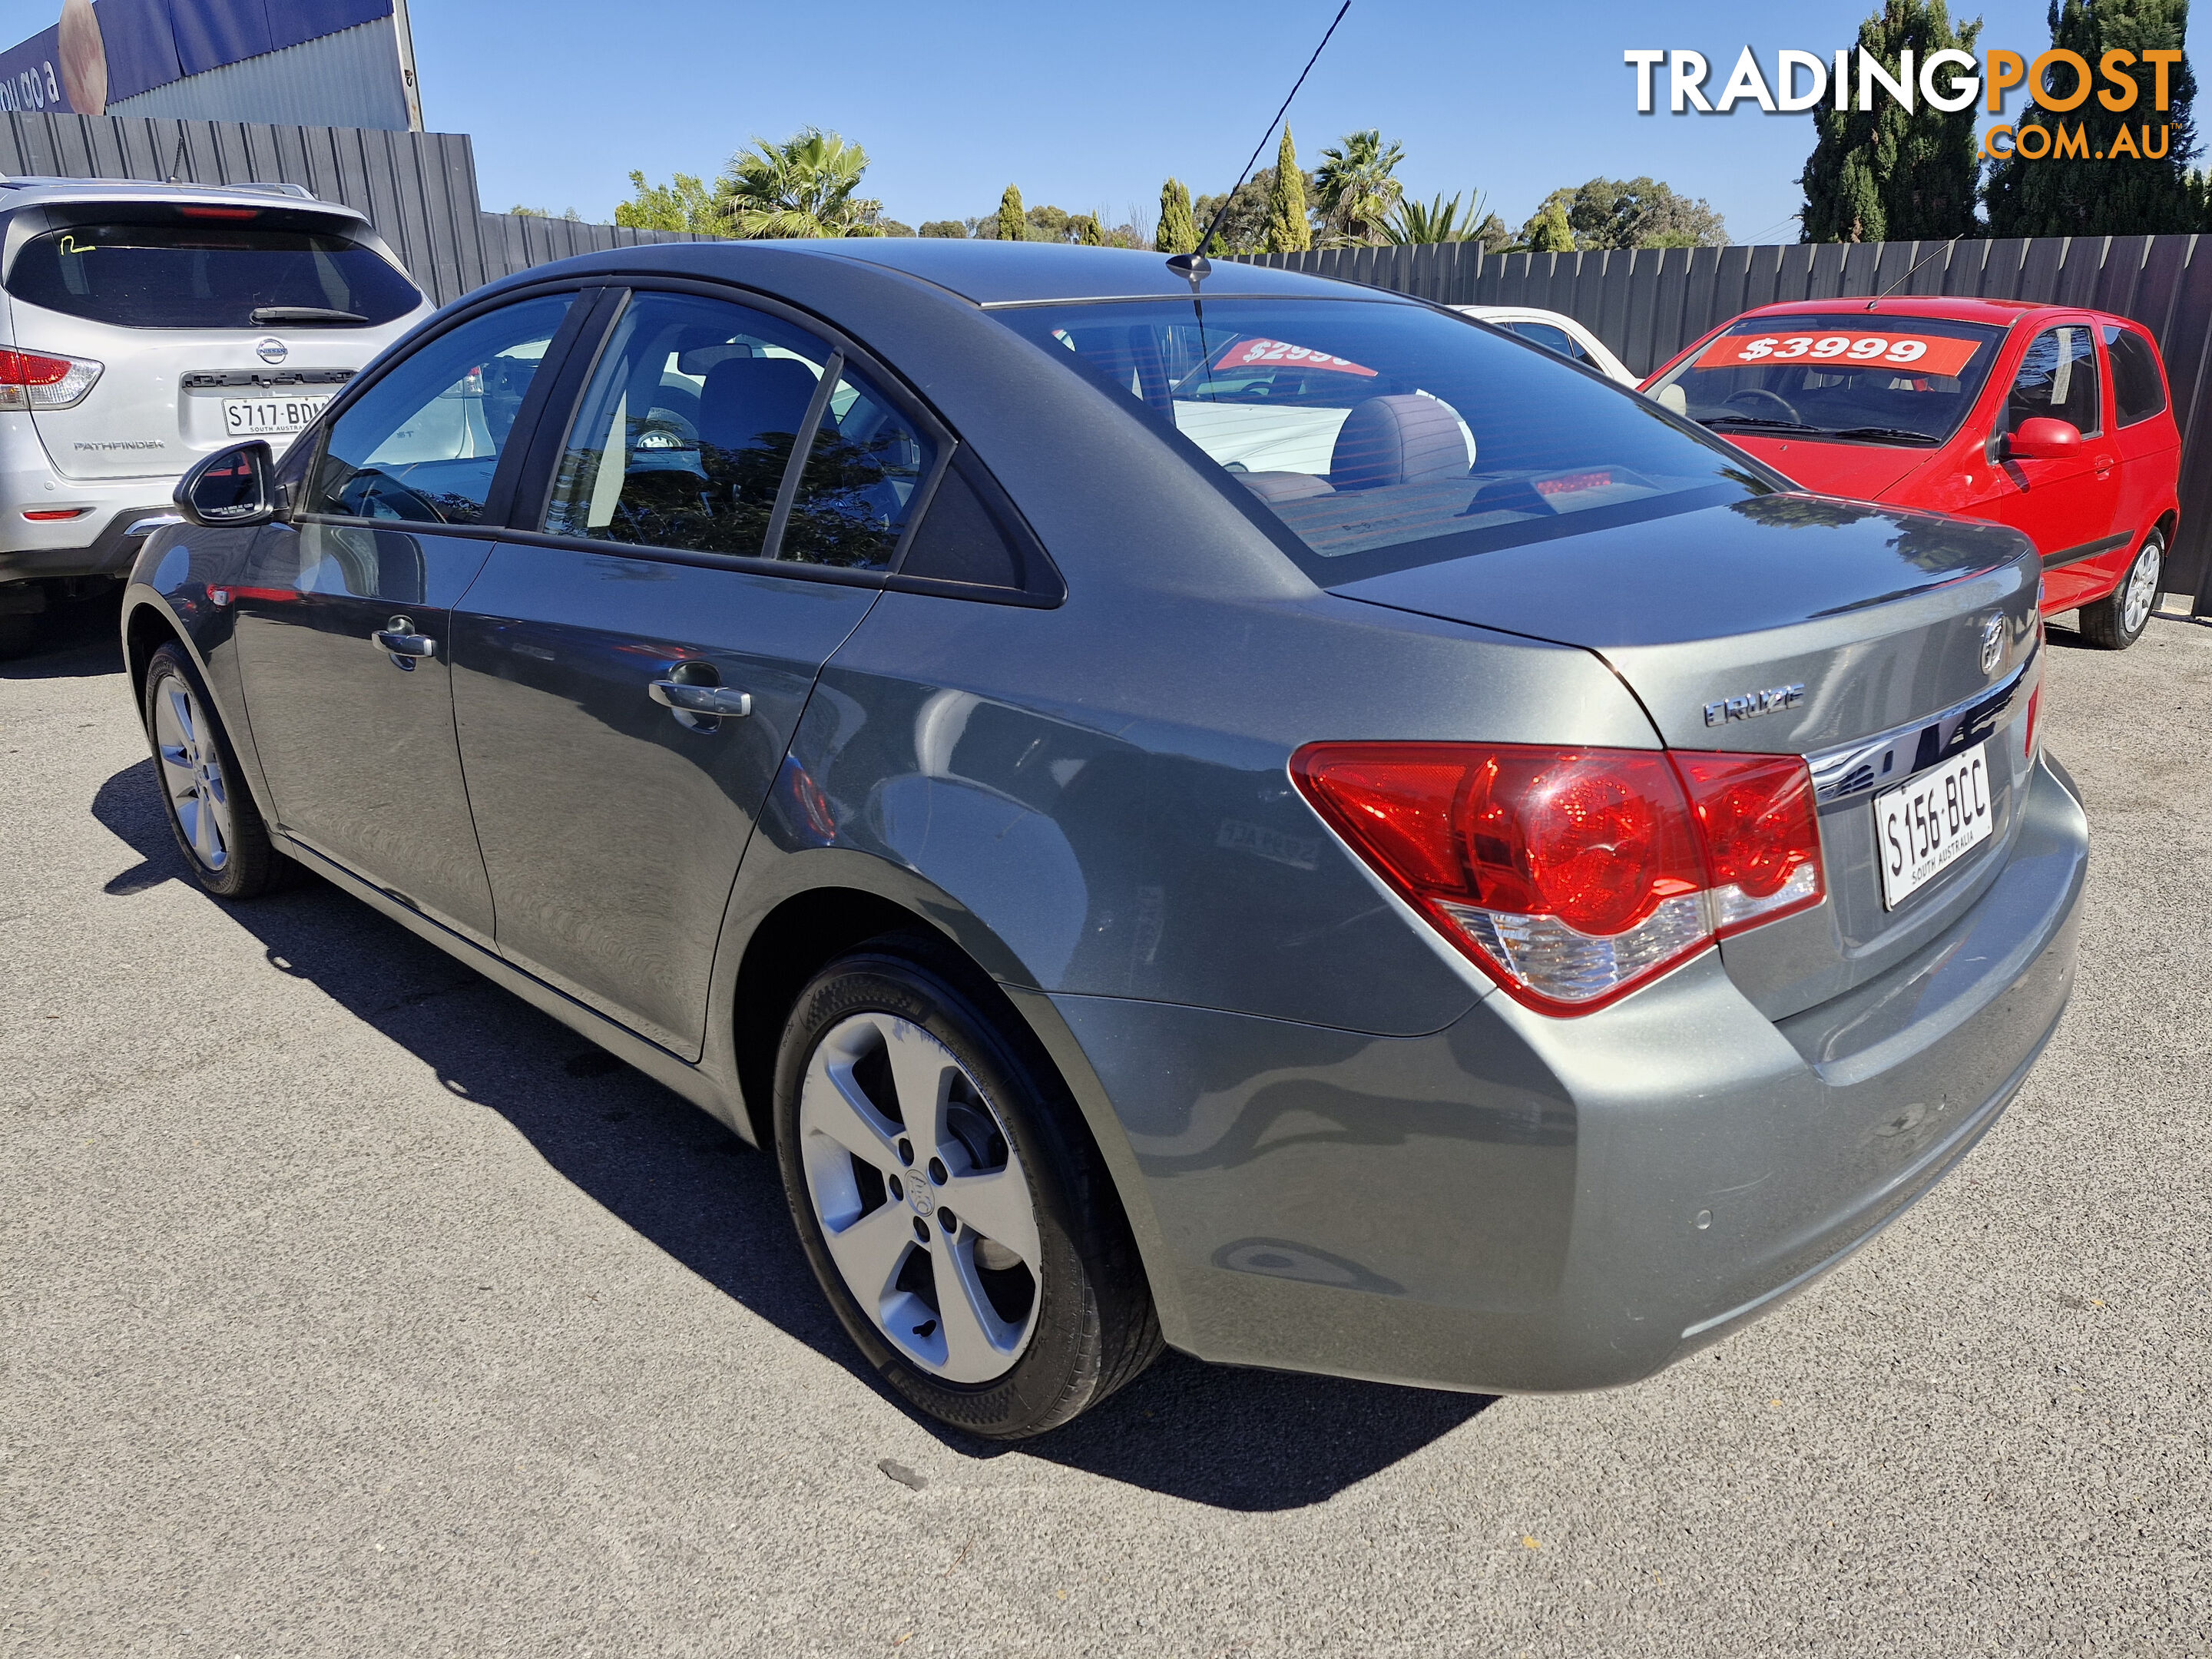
904, 1088
2117, 621
210, 810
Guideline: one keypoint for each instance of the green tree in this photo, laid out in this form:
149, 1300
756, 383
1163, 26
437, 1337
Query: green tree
687, 204
1287, 229
1887, 174
1354, 186
1549, 231
803, 186
1437, 220
522, 212
2123, 195
1013, 225
1608, 212
1178, 229
1244, 227
1090, 229
944, 227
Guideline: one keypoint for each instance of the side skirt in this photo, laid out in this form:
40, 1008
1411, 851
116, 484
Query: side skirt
695, 1086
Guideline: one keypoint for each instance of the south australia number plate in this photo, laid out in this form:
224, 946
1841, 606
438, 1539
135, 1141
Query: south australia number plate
256, 417
1931, 821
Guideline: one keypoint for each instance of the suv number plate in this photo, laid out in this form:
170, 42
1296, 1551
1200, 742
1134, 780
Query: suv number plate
1928, 822
256, 417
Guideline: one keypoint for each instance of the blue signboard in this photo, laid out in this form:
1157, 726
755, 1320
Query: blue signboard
101, 53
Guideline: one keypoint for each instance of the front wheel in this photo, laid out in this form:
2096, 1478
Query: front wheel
214, 819
2116, 621
951, 1204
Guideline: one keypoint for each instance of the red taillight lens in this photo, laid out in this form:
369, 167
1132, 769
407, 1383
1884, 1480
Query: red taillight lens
2034, 707
1572, 876
220, 213
31, 368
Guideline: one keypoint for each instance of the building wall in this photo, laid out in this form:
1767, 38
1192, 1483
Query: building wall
349, 79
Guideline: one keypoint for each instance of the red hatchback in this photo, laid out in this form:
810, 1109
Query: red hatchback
2052, 420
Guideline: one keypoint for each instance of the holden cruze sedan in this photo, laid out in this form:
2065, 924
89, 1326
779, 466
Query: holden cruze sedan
2053, 419
1493, 905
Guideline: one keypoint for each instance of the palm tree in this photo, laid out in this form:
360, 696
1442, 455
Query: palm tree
1353, 186
801, 187
1436, 220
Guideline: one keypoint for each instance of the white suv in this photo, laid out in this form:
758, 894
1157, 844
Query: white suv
146, 326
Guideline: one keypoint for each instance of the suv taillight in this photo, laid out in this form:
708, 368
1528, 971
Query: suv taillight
1570, 876
44, 379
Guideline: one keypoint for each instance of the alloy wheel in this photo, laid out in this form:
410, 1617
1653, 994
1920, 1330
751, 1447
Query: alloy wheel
191, 773
921, 1200
2142, 592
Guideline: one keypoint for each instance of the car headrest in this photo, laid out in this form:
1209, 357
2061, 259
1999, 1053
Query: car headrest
1407, 438
746, 396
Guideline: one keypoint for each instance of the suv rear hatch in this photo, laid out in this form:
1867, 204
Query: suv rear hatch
210, 322
1881, 644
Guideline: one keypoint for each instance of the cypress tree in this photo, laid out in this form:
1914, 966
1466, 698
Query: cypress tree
1549, 231
1288, 231
1885, 174
2126, 193
1013, 223
1178, 231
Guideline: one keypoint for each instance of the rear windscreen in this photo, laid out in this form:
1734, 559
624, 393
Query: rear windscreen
1384, 435
186, 275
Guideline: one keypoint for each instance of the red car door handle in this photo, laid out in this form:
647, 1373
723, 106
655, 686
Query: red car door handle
2104, 464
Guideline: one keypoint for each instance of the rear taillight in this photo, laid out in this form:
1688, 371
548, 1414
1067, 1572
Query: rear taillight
1570, 876
44, 379
2034, 707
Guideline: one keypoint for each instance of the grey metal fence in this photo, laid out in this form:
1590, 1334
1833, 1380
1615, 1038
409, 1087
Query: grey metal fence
1649, 303
418, 188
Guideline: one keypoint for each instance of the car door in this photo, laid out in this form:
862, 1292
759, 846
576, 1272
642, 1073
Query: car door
2144, 435
629, 668
343, 621
2068, 505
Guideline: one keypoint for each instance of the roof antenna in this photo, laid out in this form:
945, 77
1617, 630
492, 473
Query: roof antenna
177, 167
1196, 266
1907, 277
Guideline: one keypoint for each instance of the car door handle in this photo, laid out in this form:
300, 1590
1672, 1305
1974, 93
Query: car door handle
401, 639
700, 699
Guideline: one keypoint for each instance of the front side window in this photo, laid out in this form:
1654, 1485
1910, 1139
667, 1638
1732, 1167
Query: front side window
2138, 389
1853, 377
2057, 380
194, 274
423, 442
1385, 435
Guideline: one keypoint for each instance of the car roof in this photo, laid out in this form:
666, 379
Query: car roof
1999, 313
993, 273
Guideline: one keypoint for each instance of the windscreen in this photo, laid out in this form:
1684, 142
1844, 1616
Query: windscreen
1850, 377
1385, 435
208, 275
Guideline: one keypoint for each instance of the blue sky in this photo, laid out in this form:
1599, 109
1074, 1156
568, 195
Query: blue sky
1092, 105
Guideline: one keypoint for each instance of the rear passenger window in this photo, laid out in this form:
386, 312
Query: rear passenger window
862, 471
687, 429
1551, 337
2138, 390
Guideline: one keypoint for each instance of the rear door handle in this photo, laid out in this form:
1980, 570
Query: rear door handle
700, 699
399, 638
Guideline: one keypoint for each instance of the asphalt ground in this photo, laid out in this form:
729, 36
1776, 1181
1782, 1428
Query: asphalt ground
353, 1307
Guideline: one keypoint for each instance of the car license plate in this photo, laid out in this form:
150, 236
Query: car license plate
1930, 821
260, 418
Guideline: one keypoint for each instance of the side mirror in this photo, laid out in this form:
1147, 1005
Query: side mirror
230, 489
2042, 438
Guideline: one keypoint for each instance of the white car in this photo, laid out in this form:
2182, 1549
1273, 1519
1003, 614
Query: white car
1555, 332
146, 326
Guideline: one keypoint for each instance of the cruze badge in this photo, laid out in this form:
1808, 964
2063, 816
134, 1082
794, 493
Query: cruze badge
1993, 642
1752, 704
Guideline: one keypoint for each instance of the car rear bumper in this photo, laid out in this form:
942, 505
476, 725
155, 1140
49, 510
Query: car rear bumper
109, 552
1520, 1204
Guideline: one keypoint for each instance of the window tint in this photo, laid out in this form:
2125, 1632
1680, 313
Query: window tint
2057, 379
1551, 337
207, 275
423, 442
684, 437
2138, 392
962, 540
1383, 435
858, 488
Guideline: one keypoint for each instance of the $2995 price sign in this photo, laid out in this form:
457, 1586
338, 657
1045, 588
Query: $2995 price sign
1917, 354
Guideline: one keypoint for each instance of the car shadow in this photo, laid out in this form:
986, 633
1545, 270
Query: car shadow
80, 639
1233, 1439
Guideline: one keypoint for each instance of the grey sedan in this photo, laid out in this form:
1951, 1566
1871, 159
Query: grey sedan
1211, 808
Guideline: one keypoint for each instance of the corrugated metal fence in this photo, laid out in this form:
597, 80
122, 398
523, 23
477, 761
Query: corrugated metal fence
418, 188
1648, 303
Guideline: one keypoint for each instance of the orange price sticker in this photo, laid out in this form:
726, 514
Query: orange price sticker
1914, 354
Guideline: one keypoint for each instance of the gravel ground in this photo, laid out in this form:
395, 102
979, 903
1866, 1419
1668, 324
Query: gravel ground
352, 1307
